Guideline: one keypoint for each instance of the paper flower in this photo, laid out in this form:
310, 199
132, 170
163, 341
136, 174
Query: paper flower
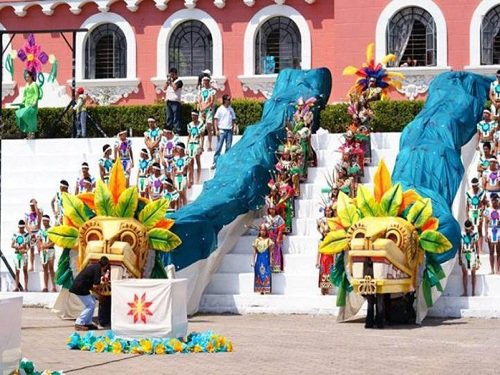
116, 347
32, 55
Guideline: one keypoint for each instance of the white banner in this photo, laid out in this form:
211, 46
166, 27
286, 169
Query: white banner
142, 308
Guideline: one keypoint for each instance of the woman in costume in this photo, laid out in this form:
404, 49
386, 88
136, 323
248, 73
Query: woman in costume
275, 226
123, 150
287, 197
26, 116
262, 248
324, 262
195, 145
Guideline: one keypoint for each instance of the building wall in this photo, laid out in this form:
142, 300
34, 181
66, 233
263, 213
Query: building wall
340, 30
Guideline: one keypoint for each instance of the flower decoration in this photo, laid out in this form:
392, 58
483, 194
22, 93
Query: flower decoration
387, 200
204, 342
26, 367
384, 79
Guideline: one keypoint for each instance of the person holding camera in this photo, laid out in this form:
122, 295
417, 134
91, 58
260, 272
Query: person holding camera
173, 93
224, 125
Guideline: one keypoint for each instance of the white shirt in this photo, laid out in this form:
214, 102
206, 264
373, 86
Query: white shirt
174, 95
493, 88
225, 116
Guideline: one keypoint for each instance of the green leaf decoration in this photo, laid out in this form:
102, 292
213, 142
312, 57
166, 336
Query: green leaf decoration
163, 240
334, 242
158, 271
427, 291
434, 242
64, 236
391, 201
127, 203
153, 212
103, 201
420, 212
365, 202
346, 211
339, 278
74, 209
64, 274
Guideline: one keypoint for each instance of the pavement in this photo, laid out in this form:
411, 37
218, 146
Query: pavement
285, 344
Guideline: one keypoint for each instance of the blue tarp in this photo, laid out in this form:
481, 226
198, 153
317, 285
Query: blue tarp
429, 157
240, 182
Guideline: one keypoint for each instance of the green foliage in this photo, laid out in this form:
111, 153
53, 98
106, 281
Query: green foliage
390, 116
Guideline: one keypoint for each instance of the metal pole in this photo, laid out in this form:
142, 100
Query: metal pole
73, 72
1, 82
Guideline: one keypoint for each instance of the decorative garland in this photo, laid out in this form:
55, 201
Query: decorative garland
196, 342
26, 367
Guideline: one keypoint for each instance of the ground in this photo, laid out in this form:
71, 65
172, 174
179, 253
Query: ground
286, 344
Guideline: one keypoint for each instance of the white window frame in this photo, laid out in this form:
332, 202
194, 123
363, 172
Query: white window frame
189, 89
264, 83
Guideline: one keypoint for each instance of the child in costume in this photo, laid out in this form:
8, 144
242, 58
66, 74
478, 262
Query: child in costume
180, 172
476, 202
105, 163
81, 113
155, 183
82, 181
492, 223
167, 151
152, 138
486, 129
325, 262
261, 262
20, 244
195, 145
143, 172
491, 177
47, 255
275, 226
123, 150
468, 257
171, 194
206, 103
33, 220
484, 159
56, 203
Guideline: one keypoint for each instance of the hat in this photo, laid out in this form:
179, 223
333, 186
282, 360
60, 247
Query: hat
486, 111
80, 91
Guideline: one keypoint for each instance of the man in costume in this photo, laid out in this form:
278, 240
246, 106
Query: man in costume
167, 150
81, 113
105, 163
476, 202
20, 244
33, 220
484, 160
495, 95
56, 203
180, 172
225, 124
26, 115
82, 181
47, 255
152, 138
486, 129
123, 150
88, 279
206, 104
492, 223
143, 172
195, 146
468, 256
155, 182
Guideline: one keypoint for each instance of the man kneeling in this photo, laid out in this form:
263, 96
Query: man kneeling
88, 279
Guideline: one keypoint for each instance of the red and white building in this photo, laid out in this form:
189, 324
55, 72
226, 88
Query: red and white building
126, 54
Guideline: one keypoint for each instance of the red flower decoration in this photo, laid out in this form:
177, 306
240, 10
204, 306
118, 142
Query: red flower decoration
140, 308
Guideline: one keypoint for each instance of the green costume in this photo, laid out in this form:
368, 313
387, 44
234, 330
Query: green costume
26, 116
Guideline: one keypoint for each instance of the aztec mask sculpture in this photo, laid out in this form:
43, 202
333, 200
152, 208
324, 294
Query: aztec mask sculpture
114, 221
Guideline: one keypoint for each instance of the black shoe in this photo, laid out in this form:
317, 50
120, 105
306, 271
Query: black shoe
369, 323
92, 327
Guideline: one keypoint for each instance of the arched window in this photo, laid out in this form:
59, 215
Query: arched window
490, 37
411, 36
190, 48
277, 46
106, 53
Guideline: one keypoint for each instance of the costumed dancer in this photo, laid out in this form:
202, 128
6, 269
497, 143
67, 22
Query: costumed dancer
195, 145
81, 113
47, 255
26, 115
491, 178
56, 203
123, 150
261, 261
486, 129
206, 104
105, 163
492, 223
143, 172
171, 194
20, 244
275, 226
167, 150
468, 257
155, 183
303, 119
180, 172
325, 262
494, 95
83, 180
33, 221
484, 159
152, 138
476, 202
287, 164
